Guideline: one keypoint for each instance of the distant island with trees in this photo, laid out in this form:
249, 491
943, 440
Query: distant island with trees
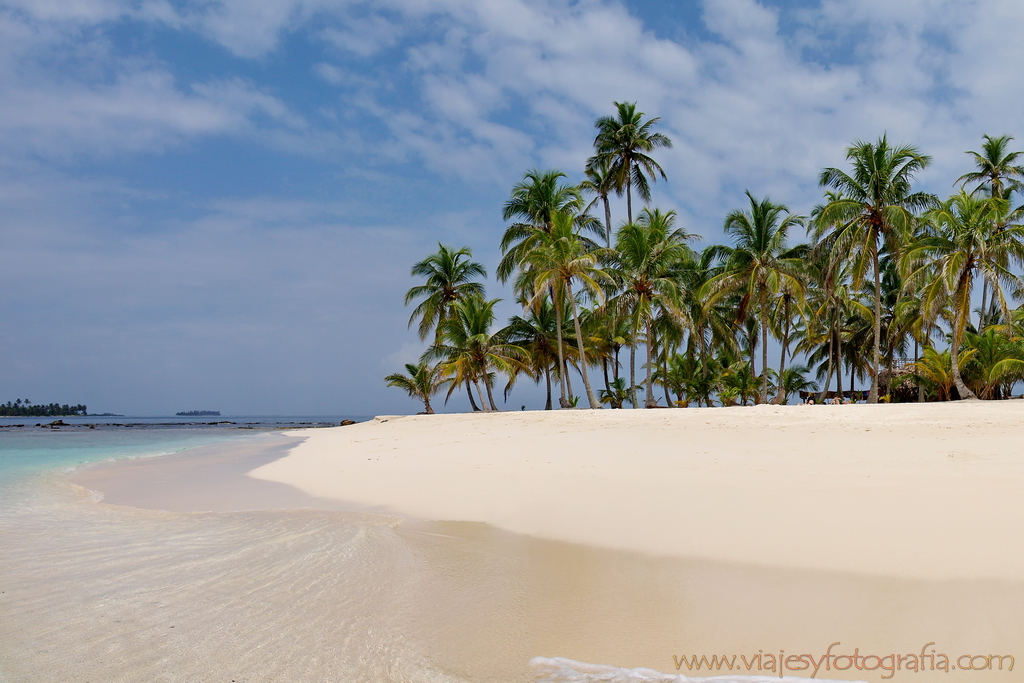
25, 408
198, 413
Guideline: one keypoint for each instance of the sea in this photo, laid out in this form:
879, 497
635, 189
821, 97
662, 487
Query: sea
32, 448
103, 593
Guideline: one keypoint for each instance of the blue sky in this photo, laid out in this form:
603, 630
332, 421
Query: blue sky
215, 204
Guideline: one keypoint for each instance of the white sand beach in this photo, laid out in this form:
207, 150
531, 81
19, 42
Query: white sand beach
929, 491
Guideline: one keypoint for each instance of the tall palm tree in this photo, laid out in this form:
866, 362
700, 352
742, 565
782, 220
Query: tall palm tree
623, 143
786, 310
470, 353
559, 259
961, 246
601, 183
422, 382
758, 267
648, 258
449, 278
998, 171
999, 174
534, 201
873, 212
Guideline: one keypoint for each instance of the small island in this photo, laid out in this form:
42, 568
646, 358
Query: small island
198, 413
25, 408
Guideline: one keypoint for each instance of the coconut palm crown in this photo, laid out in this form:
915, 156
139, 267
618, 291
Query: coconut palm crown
623, 144
449, 274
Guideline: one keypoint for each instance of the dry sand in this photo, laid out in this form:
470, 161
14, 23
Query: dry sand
933, 491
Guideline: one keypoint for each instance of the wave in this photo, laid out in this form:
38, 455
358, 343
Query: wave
562, 670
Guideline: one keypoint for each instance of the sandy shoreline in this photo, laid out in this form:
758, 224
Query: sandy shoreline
615, 538
929, 491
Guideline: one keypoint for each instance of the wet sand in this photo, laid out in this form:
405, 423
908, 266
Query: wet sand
204, 479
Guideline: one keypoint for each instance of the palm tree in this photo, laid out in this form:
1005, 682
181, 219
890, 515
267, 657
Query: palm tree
560, 258
999, 174
737, 381
999, 361
422, 382
759, 265
997, 171
616, 394
622, 144
873, 212
449, 274
961, 246
534, 201
934, 371
601, 183
788, 309
470, 353
793, 380
646, 262
536, 333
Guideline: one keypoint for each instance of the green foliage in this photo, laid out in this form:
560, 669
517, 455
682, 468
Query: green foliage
889, 273
24, 408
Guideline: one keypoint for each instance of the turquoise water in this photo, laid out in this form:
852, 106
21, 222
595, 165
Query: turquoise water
31, 451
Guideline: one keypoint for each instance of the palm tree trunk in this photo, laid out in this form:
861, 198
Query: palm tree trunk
780, 398
568, 380
615, 370
961, 388
649, 401
594, 405
469, 392
876, 359
547, 381
828, 373
490, 396
920, 386
958, 331
629, 202
607, 221
984, 306
563, 401
764, 346
839, 364
604, 370
664, 370
752, 352
481, 393
632, 371
426, 406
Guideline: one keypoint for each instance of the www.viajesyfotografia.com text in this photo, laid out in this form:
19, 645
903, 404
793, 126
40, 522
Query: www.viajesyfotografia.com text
810, 665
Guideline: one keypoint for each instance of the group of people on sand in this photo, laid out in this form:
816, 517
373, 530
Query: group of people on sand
838, 400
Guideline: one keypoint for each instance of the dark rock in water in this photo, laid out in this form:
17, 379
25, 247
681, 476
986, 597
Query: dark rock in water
57, 423
346, 423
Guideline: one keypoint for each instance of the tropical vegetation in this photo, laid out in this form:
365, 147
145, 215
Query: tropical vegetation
881, 285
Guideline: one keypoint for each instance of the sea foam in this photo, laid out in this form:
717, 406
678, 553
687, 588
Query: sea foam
562, 670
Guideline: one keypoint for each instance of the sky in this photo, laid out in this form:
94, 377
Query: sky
215, 204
